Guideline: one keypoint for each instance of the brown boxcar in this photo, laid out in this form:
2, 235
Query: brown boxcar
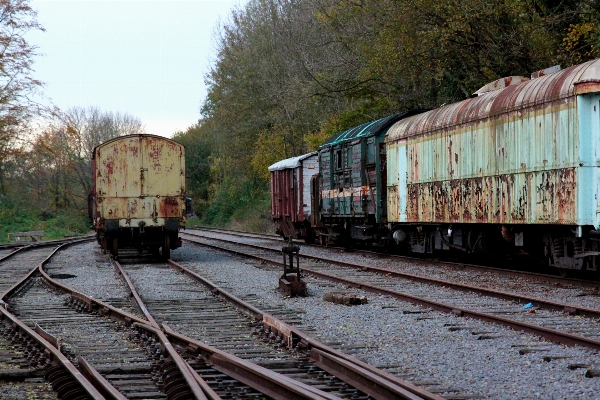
291, 202
138, 195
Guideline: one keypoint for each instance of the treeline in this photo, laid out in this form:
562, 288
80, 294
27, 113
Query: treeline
46, 173
45, 153
290, 73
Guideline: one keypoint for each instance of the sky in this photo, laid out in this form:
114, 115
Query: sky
145, 58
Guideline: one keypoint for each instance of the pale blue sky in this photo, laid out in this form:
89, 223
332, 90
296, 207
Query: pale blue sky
146, 58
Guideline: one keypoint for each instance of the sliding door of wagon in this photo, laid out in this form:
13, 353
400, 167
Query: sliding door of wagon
163, 174
118, 166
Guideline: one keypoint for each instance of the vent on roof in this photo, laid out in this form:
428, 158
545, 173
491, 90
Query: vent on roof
546, 71
500, 84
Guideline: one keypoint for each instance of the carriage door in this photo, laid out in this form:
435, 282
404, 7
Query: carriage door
402, 180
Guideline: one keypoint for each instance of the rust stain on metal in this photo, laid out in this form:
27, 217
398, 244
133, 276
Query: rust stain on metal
132, 171
496, 199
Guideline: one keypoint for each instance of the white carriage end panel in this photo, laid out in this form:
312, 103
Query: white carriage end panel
310, 167
588, 177
397, 179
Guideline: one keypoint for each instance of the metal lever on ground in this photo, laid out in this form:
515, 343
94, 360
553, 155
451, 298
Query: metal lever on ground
290, 282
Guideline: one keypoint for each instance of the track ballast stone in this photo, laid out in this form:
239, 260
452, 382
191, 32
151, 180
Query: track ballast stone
417, 344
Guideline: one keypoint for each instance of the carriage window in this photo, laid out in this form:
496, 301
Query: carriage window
371, 152
349, 157
338, 159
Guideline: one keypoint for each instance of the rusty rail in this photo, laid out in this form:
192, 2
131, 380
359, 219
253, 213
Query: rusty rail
47, 341
378, 381
182, 366
56, 355
99, 381
136, 296
550, 334
270, 383
12, 253
414, 260
261, 379
115, 313
195, 382
537, 302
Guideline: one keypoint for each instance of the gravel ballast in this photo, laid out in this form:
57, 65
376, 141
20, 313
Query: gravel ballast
422, 345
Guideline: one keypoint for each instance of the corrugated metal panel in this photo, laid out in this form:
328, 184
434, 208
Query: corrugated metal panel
509, 156
140, 177
536, 92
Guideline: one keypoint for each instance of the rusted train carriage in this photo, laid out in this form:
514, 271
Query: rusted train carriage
352, 186
291, 205
138, 196
514, 168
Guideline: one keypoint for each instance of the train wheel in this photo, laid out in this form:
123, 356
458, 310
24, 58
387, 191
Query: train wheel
166, 250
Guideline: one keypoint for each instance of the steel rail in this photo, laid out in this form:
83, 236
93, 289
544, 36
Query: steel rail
182, 366
118, 314
102, 385
265, 381
121, 315
536, 301
12, 253
192, 381
88, 384
416, 260
270, 383
376, 386
43, 243
56, 355
136, 296
550, 334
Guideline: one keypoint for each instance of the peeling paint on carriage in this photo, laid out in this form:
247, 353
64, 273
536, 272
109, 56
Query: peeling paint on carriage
139, 178
510, 156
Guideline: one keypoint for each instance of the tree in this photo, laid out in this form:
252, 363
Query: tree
89, 127
17, 86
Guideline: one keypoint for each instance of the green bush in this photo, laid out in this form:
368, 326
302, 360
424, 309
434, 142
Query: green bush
240, 205
54, 225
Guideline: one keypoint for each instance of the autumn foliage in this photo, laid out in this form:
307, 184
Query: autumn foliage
290, 73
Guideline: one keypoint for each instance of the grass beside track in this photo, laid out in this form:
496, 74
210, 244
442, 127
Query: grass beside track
55, 225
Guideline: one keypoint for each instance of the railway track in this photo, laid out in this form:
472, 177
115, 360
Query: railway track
234, 326
32, 365
95, 340
507, 271
505, 308
79, 320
